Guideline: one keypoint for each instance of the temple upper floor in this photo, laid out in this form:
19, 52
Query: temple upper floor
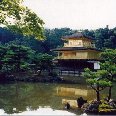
78, 40
79, 43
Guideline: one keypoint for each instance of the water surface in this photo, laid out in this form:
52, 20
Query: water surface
17, 98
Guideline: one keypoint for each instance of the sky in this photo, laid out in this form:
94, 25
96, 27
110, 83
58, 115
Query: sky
75, 14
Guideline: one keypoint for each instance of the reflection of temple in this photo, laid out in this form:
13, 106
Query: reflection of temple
75, 92
78, 53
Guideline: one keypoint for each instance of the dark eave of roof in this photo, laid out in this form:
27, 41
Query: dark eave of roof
65, 60
74, 48
77, 35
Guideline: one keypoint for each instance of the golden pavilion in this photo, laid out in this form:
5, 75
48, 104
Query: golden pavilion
78, 52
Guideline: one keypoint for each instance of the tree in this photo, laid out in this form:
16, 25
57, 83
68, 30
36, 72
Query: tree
100, 37
96, 80
3, 51
43, 62
89, 33
20, 19
109, 64
53, 38
15, 58
105, 38
106, 75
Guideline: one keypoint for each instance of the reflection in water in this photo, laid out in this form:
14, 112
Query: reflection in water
19, 97
76, 92
23, 95
41, 111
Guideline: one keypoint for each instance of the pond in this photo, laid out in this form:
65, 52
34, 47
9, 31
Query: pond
41, 98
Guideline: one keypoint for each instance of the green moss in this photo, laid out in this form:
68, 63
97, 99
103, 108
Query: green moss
105, 107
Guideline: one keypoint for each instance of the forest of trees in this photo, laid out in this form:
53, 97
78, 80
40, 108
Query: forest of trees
103, 37
19, 51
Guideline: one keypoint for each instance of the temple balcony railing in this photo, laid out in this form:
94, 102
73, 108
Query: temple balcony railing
71, 57
82, 45
73, 45
66, 57
76, 57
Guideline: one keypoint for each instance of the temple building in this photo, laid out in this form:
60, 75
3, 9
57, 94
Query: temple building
78, 52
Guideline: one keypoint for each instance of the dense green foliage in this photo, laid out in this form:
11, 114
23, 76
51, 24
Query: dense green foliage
109, 65
43, 62
97, 80
53, 39
104, 77
15, 58
20, 19
18, 58
104, 38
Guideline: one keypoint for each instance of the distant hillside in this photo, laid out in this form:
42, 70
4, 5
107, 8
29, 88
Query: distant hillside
104, 38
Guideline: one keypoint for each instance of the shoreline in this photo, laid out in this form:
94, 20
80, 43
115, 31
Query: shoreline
44, 78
